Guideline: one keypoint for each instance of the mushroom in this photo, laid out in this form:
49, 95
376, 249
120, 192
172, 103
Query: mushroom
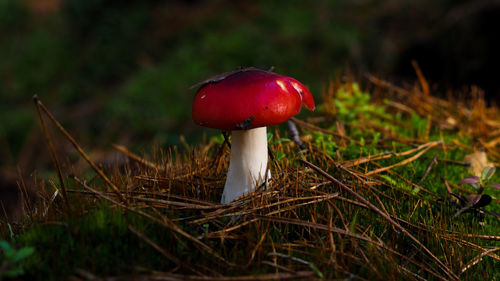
244, 102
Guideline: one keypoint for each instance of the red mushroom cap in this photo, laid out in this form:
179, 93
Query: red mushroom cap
249, 98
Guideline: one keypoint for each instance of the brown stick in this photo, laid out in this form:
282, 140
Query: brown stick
52, 150
312, 127
384, 155
428, 170
423, 82
136, 157
384, 215
40, 105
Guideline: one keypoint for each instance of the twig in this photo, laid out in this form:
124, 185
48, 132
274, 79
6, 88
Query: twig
428, 170
384, 155
198, 203
423, 82
137, 158
414, 185
453, 162
78, 148
321, 130
51, 149
385, 84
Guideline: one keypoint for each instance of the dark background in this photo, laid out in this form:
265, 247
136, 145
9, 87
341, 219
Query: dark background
118, 71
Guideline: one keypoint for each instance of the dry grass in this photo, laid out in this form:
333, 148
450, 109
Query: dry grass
321, 215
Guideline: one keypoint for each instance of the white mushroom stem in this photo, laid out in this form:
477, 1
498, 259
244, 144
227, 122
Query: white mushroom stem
248, 164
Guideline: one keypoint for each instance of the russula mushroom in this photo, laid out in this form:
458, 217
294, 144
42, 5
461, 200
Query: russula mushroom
244, 102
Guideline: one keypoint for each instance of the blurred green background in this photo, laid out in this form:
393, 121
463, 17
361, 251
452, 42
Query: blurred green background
118, 71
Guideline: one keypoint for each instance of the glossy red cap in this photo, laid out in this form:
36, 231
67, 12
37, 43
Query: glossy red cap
248, 98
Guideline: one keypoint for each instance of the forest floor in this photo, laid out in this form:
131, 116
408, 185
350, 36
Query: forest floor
391, 183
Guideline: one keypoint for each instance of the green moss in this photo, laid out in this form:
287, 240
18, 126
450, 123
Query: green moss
99, 242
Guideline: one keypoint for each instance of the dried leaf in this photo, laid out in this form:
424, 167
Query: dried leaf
478, 161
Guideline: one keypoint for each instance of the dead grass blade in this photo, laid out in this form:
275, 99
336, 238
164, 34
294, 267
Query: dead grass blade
423, 82
477, 259
478, 236
137, 158
312, 127
406, 161
428, 169
174, 203
384, 155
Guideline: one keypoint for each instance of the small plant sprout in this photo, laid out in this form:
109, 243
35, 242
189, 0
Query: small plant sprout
479, 183
478, 200
11, 259
244, 102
